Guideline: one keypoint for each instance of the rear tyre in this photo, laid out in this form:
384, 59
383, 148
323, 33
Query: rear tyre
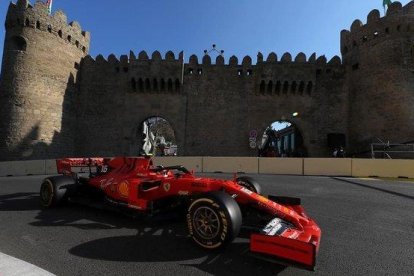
250, 184
214, 220
55, 190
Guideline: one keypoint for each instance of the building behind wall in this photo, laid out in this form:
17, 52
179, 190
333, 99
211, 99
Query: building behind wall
56, 100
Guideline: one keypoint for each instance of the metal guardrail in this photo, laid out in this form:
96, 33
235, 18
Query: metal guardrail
386, 150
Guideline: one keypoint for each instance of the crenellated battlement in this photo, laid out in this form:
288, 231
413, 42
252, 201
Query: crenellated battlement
23, 15
272, 58
398, 21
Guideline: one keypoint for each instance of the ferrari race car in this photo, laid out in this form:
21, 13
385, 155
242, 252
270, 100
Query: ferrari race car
215, 209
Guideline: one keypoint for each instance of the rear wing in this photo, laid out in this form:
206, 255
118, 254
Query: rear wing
69, 166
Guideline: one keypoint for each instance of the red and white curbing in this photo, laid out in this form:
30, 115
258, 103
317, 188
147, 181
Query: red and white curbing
10, 266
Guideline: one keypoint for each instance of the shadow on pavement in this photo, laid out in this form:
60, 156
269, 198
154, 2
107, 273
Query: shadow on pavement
374, 188
162, 238
19, 202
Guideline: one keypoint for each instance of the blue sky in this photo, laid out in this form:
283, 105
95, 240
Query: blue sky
239, 27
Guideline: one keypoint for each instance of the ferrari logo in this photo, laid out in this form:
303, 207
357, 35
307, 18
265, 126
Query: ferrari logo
167, 187
123, 189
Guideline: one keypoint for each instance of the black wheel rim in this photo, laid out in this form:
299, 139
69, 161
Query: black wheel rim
206, 223
45, 193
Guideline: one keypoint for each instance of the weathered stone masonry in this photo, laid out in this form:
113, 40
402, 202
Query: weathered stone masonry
56, 100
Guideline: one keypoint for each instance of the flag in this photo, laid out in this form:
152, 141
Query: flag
49, 5
386, 3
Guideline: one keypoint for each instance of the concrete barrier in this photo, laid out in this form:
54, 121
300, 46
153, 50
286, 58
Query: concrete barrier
382, 168
7, 168
21, 168
231, 164
50, 167
292, 166
191, 163
327, 166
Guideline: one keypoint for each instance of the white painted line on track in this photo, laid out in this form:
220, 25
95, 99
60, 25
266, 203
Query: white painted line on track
10, 266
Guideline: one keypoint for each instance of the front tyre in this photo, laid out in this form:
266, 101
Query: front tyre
250, 184
214, 220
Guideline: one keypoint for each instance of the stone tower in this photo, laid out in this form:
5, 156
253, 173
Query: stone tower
42, 54
379, 60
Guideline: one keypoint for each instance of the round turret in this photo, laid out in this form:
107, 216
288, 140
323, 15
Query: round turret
379, 58
41, 57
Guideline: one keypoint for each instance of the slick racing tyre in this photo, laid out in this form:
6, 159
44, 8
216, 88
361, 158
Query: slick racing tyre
214, 220
250, 184
55, 190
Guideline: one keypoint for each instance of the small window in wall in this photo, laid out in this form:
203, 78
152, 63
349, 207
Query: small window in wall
18, 43
162, 85
355, 66
309, 88
301, 87
49, 28
239, 72
249, 72
133, 85
140, 85
170, 85
376, 34
190, 71
69, 38
126, 69
60, 33
84, 49
27, 23
399, 28
200, 71
147, 85
270, 87
77, 44
155, 84
293, 87
277, 88
364, 38
285, 87
262, 86
37, 25
77, 66
177, 85
117, 69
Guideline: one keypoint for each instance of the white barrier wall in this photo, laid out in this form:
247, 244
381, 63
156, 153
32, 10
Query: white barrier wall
254, 165
191, 163
327, 166
292, 166
230, 164
382, 168
20, 168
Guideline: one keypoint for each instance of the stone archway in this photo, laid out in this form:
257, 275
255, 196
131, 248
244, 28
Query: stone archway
282, 138
157, 137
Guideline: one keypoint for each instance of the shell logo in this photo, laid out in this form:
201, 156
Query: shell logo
123, 189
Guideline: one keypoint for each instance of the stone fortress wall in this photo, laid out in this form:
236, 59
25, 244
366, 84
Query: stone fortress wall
58, 101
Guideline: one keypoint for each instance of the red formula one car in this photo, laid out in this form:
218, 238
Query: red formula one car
215, 209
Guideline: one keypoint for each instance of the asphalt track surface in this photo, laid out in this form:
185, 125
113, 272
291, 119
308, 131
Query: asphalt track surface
367, 226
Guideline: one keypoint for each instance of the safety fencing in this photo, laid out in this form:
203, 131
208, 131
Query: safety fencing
252, 165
